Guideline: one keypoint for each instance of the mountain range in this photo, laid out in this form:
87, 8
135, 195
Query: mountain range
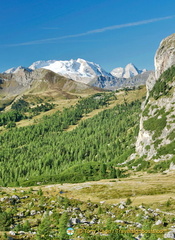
90, 73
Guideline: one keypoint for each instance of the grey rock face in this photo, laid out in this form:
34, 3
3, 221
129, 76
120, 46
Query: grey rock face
165, 55
113, 83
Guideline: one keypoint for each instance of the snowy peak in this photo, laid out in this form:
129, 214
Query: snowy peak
41, 64
79, 70
17, 69
129, 71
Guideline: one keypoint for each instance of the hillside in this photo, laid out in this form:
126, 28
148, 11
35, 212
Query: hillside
39, 83
61, 156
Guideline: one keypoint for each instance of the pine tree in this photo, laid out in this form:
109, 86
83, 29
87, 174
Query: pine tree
44, 230
103, 170
63, 226
113, 173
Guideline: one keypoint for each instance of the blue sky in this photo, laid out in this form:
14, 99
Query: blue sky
111, 33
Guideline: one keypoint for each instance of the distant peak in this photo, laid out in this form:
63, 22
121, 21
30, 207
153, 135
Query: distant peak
17, 69
130, 64
81, 60
130, 70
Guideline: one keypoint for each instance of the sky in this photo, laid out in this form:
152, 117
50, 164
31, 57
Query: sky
111, 33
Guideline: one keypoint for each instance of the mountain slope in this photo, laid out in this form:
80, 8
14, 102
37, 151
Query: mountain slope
39, 82
16, 69
119, 83
46, 151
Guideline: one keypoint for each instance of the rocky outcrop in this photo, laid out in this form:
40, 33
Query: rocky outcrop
114, 83
165, 55
157, 123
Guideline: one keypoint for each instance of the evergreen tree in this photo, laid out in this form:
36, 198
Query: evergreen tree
44, 230
63, 226
103, 170
113, 173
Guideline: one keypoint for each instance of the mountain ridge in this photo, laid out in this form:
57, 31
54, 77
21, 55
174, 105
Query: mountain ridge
87, 72
39, 82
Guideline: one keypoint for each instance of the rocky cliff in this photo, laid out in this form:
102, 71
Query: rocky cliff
165, 55
157, 124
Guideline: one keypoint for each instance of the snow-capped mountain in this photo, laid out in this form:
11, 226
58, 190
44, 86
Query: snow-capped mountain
129, 71
79, 70
16, 69
89, 73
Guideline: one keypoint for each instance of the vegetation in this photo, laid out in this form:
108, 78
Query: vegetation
20, 105
46, 153
22, 110
156, 123
162, 86
11, 116
34, 216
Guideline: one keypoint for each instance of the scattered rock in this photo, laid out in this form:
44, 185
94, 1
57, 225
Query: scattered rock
12, 233
74, 221
158, 222
15, 197
32, 212
170, 234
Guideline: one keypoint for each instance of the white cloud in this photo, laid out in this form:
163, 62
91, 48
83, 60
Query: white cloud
132, 24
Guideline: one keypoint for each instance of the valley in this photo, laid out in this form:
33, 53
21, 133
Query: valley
84, 157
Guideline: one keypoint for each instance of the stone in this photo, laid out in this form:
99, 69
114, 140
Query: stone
170, 234
15, 197
74, 221
12, 233
172, 166
50, 213
32, 212
158, 222
121, 206
138, 225
119, 221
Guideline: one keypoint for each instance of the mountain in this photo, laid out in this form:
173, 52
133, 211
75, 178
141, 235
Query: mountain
79, 70
16, 69
119, 83
129, 71
91, 73
157, 124
39, 82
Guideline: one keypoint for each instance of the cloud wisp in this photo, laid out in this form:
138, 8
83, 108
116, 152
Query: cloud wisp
95, 31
